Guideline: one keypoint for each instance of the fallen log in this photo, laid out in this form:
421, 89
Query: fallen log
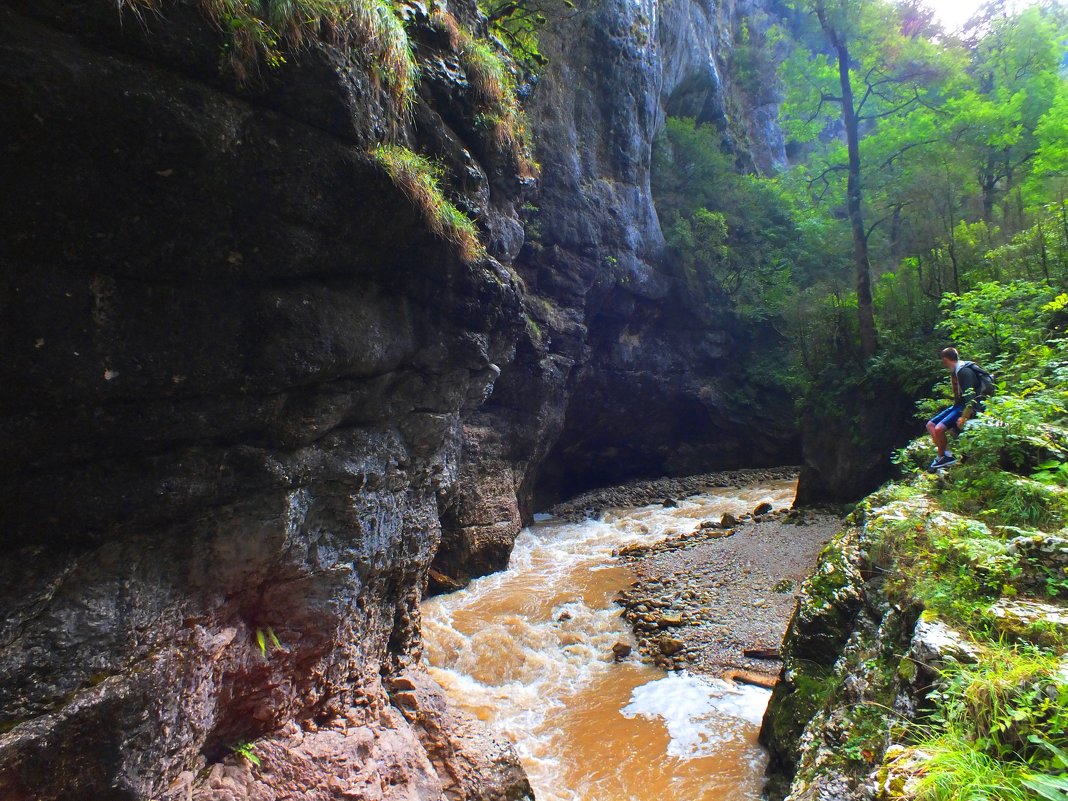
751, 677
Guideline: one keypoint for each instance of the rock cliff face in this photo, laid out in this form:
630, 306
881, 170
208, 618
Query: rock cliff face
244, 387
616, 376
235, 360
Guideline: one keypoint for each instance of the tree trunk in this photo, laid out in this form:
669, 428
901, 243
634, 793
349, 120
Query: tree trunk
988, 181
1043, 252
862, 265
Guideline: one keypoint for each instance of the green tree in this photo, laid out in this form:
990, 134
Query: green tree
732, 236
1015, 70
859, 57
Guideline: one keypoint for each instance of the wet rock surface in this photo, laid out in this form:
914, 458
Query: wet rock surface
236, 361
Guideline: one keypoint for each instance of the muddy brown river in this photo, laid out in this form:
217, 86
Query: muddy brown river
529, 650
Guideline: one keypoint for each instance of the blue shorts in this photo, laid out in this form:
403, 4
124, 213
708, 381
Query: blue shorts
948, 417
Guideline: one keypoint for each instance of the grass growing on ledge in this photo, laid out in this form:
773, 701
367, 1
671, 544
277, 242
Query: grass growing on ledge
262, 30
999, 727
494, 86
419, 178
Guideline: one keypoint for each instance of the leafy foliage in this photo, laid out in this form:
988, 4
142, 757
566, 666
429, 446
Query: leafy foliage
246, 751
517, 23
731, 234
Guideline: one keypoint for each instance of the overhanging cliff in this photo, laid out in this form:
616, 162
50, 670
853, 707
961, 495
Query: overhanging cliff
235, 359
244, 387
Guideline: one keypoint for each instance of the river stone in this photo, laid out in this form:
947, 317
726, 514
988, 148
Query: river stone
727, 520
669, 646
762, 509
621, 650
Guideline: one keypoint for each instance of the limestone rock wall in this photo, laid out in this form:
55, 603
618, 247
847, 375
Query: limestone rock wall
616, 376
235, 362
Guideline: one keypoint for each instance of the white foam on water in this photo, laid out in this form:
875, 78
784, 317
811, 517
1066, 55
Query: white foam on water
697, 711
505, 650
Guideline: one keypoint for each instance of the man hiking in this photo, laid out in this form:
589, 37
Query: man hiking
970, 385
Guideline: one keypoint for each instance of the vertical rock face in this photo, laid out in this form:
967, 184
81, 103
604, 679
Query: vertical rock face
235, 359
653, 396
616, 374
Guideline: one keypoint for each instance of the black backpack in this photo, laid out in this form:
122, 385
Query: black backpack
986, 381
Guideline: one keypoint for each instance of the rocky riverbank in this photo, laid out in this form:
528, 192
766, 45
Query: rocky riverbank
717, 598
664, 490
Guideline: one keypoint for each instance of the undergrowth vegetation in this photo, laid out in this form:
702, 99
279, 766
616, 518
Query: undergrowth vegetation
978, 553
420, 179
263, 31
999, 728
984, 548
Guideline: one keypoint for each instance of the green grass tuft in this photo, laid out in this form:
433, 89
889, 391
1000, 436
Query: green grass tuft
419, 178
996, 725
265, 31
493, 82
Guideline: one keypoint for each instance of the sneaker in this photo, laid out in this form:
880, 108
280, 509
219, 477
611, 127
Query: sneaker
943, 461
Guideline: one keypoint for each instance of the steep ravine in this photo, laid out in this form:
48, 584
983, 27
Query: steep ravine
615, 375
244, 388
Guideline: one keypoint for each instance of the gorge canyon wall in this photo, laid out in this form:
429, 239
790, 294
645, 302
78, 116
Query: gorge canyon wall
249, 396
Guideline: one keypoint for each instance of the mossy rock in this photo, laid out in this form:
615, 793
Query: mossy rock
1031, 621
794, 702
828, 604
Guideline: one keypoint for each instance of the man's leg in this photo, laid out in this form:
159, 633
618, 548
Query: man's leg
938, 433
937, 426
939, 437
